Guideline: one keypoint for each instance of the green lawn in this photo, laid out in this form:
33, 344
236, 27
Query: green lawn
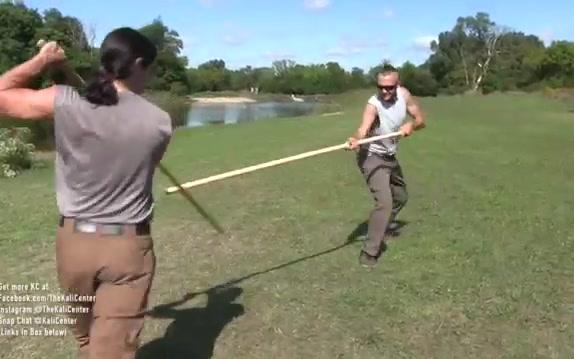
482, 270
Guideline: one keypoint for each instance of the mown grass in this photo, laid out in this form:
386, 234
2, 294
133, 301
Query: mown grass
483, 269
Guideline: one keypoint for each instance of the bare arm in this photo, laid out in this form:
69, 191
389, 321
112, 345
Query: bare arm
414, 111
64, 69
26, 104
18, 102
369, 115
20, 75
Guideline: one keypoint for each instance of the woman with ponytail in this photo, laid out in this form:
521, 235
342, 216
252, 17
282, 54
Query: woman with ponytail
109, 140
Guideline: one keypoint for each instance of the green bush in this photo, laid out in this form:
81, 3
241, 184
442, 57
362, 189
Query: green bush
419, 81
176, 106
16, 153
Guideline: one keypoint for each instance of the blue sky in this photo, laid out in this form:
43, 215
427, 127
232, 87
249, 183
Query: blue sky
357, 33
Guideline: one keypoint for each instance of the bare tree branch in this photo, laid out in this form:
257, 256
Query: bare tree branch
490, 52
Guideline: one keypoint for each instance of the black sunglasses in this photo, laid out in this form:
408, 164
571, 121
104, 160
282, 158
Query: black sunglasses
387, 88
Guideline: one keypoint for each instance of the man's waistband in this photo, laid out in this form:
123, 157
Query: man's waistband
106, 229
384, 156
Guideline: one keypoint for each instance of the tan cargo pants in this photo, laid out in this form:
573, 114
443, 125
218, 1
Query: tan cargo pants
385, 180
115, 269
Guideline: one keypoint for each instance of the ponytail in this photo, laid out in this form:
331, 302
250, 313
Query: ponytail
101, 90
118, 54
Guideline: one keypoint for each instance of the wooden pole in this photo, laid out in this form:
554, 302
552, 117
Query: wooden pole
277, 162
191, 200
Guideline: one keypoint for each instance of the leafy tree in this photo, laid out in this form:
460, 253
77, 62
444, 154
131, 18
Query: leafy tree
475, 54
419, 81
217, 64
66, 30
463, 56
358, 78
557, 65
337, 77
165, 39
170, 67
210, 76
69, 33
516, 64
18, 27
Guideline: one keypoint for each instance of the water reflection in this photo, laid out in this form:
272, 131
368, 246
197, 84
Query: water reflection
202, 114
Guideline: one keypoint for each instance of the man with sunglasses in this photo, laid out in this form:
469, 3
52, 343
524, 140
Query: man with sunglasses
384, 113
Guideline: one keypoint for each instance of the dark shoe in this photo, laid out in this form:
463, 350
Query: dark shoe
367, 260
383, 248
394, 226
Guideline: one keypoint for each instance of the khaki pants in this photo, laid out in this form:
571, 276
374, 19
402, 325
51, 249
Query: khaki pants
117, 270
386, 183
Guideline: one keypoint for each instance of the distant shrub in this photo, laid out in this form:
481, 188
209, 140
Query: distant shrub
452, 90
178, 89
563, 94
16, 153
419, 81
177, 106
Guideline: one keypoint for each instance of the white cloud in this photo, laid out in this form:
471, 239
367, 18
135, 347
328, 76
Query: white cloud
547, 36
423, 43
349, 47
317, 4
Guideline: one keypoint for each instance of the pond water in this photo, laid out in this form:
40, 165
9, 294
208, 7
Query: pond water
204, 114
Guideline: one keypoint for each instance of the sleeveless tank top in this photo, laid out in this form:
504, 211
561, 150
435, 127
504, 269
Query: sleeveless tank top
391, 115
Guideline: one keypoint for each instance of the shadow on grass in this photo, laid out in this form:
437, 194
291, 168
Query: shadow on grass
395, 228
362, 229
194, 331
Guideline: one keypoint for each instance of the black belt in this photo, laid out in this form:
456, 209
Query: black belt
117, 229
385, 156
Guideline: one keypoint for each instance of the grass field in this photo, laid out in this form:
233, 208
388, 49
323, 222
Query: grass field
483, 269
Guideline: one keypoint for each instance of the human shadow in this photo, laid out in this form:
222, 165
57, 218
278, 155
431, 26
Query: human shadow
394, 229
362, 229
283, 265
194, 331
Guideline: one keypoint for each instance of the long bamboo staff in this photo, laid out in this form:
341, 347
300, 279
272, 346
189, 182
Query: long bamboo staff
277, 162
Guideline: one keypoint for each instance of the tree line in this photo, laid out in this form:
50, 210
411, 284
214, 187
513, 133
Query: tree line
476, 54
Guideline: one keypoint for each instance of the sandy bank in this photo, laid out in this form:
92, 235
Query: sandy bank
222, 99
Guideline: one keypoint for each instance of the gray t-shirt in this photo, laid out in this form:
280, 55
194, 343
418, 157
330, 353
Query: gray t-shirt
106, 156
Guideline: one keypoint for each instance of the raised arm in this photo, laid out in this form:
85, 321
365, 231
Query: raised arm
26, 104
20, 103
